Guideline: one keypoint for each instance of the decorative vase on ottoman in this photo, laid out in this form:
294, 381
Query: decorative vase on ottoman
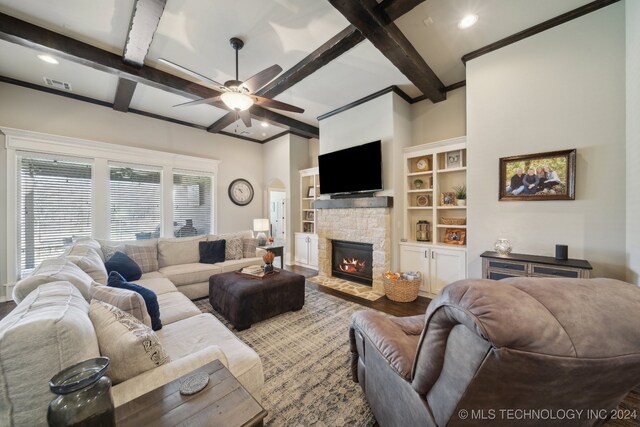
84, 398
268, 261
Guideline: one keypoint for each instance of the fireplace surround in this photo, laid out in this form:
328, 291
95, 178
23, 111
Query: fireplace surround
352, 261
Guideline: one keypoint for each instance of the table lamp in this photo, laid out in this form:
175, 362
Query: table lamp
260, 226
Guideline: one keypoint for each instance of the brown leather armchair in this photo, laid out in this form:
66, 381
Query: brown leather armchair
486, 351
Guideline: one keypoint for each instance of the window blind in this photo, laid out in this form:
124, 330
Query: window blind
191, 204
54, 202
135, 202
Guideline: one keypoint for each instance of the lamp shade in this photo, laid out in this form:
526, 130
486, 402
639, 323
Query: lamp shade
261, 224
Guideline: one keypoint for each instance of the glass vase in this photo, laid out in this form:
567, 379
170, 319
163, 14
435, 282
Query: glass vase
503, 247
83, 396
268, 267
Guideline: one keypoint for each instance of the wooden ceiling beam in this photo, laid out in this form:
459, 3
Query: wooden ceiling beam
336, 46
396, 8
144, 22
379, 29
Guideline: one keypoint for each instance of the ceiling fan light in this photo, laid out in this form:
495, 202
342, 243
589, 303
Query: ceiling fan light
237, 101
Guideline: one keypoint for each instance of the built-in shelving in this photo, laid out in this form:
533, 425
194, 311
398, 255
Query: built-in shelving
309, 192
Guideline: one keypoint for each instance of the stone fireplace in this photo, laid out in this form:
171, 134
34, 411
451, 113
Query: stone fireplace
359, 222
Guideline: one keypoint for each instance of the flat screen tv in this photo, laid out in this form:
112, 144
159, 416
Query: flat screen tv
352, 170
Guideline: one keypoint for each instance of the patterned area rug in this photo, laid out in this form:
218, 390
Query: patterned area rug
306, 359
347, 287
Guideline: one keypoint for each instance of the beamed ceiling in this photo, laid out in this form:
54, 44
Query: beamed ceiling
333, 52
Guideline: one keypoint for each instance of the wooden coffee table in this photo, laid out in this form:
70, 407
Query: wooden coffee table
224, 402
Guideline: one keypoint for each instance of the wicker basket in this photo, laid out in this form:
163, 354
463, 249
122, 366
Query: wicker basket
453, 221
401, 290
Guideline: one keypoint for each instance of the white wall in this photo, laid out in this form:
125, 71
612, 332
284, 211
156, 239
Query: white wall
633, 140
314, 148
41, 112
561, 89
444, 120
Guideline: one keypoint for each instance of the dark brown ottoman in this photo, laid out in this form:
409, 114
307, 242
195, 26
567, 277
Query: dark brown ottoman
245, 300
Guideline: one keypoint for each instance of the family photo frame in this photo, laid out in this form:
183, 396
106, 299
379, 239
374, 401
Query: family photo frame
541, 176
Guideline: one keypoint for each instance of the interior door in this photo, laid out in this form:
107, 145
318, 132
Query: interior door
447, 266
277, 214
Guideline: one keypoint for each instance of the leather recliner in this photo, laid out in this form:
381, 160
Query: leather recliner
521, 351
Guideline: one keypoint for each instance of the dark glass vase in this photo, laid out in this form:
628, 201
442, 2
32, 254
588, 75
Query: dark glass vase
83, 396
268, 267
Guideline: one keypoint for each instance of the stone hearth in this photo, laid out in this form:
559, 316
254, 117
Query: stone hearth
365, 225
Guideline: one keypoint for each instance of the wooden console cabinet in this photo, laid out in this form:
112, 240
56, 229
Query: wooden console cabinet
496, 266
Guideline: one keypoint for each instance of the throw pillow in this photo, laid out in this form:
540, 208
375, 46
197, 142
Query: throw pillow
128, 301
132, 347
124, 265
249, 246
109, 251
88, 259
145, 256
54, 270
212, 252
233, 248
150, 297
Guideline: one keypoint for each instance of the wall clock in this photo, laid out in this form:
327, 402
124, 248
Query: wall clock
241, 192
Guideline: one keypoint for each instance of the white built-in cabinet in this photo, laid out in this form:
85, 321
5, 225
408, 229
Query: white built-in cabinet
439, 262
306, 250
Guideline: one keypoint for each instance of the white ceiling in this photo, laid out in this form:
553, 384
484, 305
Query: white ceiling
196, 33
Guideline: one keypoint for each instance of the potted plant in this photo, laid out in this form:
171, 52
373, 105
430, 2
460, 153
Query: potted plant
418, 183
461, 195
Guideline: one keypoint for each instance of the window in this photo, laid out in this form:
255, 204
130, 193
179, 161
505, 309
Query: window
135, 199
54, 202
191, 204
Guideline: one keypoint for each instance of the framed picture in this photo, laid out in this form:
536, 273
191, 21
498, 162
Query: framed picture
311, 192
453, 159
448, 198
308, 216
455, 236
542, 176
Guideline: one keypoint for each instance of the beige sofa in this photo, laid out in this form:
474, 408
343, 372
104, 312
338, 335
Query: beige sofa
51, 329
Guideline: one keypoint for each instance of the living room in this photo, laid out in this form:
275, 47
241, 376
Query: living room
524, 83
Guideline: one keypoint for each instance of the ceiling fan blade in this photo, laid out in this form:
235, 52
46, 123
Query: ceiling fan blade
255, 82
213, 101
246, 117
192, 73
266, 102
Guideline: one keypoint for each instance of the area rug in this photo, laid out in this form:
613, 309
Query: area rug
306, 361
347, 287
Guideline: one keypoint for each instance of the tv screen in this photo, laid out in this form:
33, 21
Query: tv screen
352, 170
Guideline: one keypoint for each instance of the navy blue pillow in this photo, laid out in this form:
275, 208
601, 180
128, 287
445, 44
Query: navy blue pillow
124, 265
212, 252
150, 298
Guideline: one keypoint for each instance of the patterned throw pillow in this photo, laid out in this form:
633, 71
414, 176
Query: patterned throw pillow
109, 250
249, 246
132, 347
126, 300
233, 249
145, 256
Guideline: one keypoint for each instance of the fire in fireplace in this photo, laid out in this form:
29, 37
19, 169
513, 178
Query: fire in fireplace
352, 261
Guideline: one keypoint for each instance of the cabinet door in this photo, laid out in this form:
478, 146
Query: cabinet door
414, 258
302, 249
447, 266
313, 251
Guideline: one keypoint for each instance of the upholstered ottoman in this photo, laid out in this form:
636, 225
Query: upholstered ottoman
244, 300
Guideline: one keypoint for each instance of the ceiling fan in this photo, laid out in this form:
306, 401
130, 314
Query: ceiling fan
237, 95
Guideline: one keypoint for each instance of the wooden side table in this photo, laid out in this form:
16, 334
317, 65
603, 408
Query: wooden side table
224, 402
278, 250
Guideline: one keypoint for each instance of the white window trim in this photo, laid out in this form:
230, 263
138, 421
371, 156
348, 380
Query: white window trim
101, 153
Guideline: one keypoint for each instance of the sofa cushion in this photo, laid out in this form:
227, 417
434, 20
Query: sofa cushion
151, 275
212, 252
126, 300
54, 270
187, 274
174, 306
110, 247
249, 246
233, 248
47, 332
145, 256
150, 298
89, 260
124, 265
195, 333
183, 250
160, 285
92, 243
132, 347
241, 234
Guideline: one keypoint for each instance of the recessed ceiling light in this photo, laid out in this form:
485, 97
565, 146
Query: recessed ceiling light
264, 124
467, 21
264, 134
48, 59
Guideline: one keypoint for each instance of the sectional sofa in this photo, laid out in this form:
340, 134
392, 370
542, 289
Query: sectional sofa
50, 328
